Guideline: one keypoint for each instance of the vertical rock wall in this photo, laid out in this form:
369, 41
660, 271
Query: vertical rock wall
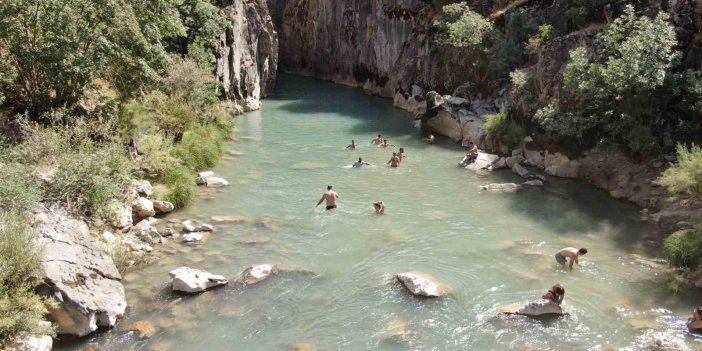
352, 42
247, 57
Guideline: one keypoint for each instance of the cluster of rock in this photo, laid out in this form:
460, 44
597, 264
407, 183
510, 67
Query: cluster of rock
189, 280
209, 180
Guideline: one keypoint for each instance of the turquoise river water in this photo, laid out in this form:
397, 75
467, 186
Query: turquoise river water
337, 292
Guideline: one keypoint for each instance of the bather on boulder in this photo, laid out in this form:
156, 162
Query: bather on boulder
550, 304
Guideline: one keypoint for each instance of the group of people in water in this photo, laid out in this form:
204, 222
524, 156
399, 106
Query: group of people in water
567, 256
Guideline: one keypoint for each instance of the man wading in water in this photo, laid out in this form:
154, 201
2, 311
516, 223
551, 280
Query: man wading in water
569, 252
330, 197
394, 160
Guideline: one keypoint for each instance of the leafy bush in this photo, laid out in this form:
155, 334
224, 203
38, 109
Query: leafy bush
201, 148
19, 189
180, 182
462, 27
20, 309
545, 32
610, 96
685, 178
684, 248
501, 127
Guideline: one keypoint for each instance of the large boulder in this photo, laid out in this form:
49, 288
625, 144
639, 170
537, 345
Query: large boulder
191, 280
75, 272
142, 188
201, 178
143, 208
33, 343
483, 161
560, 165
258, 273
121, 214
421, 284
534, 158
162, 207
521, 171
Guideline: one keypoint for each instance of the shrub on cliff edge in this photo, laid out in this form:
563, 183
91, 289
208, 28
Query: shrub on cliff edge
685, 178
684, 248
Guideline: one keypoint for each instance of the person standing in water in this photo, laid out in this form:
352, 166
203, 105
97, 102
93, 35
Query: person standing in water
352, 146
377, 140
394, 160
430, 139
330, 197
401, 154
694, 323
569, 252
555, 295
379, 207
360, 163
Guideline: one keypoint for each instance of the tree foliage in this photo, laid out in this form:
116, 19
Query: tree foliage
609, 95
461, 27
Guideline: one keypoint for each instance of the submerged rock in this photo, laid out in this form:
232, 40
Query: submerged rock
503, 187
80, 276
521, 171
534, 182
190, 280
303, 347
540, 307
421, 284
193, 237
231, 219
258, 273
144, 328
216, 182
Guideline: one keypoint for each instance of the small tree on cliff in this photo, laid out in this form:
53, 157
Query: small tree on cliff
609, 96
685, 178
461, 27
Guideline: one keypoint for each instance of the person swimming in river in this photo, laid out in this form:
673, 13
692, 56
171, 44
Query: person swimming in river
394, 161
351, 146
555, 294
569, 252
379, 207
430, 139
385, 144
694, 323
360, 163
330, 197
377, 140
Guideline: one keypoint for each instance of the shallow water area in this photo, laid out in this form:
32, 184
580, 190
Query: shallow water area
335, 289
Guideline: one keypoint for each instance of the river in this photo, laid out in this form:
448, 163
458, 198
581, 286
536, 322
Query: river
338, 292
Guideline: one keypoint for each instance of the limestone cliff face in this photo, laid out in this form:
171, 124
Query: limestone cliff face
353, 42
247, 57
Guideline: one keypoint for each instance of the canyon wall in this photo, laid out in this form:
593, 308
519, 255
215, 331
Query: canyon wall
247, 56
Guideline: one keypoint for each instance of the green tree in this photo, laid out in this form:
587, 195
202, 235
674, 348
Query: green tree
609, 96
461, 27
53, 48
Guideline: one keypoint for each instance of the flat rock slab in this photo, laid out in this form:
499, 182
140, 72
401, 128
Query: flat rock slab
421, 284
191, 280
78, 274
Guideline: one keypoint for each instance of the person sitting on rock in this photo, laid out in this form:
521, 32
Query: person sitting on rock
379, 207
694, 323
352, 146
473, 151
555, 294
377, 140
360, 163
430, 139
569, 252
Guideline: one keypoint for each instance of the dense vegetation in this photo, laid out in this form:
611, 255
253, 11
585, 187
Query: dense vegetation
94, 94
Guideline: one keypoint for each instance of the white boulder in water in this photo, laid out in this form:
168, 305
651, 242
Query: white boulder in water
541, 307
216, 182
190, 280
259, 272
420, 284
193, 237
